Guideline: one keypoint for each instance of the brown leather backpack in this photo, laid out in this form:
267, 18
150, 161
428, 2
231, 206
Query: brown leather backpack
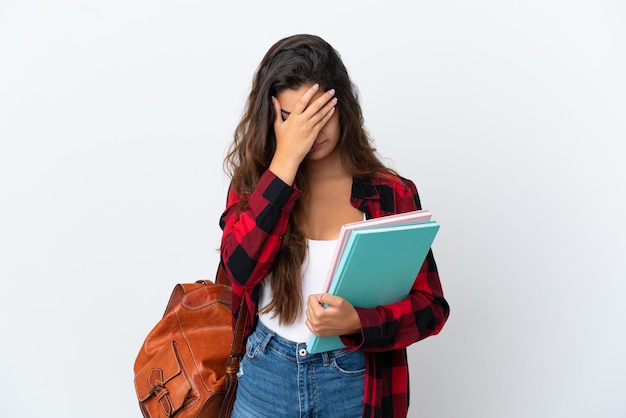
187, 366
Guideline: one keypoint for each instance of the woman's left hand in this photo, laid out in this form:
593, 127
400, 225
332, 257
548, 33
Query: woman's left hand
338, 318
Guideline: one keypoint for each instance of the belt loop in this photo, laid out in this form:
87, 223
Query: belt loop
326, 358
268, 337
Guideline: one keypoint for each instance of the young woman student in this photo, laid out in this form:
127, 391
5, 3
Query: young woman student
302, 165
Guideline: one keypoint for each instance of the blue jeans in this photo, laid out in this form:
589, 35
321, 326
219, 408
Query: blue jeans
279, 378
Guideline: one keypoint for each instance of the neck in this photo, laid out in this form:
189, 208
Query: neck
324, 169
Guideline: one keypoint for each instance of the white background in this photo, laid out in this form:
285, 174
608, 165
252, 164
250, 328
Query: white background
509, 116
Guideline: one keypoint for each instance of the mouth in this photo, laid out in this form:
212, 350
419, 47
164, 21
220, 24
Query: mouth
316, 146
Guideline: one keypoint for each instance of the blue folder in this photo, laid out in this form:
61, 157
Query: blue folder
377, 267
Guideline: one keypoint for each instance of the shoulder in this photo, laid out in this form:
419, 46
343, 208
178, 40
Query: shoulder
396, 193
394, 182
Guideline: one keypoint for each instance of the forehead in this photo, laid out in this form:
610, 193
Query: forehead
289, 97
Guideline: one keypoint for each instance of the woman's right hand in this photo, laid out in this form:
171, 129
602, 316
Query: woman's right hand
296, 134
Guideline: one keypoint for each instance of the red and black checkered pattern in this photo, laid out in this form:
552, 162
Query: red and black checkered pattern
252, 238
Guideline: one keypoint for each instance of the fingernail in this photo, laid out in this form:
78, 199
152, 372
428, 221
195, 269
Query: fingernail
332, 92
316, 86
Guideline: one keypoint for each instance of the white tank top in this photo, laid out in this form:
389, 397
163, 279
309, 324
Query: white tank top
314, 271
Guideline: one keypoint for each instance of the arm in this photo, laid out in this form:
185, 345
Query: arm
421, 314
251, 238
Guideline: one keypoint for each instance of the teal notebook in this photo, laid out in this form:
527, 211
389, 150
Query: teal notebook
378, 266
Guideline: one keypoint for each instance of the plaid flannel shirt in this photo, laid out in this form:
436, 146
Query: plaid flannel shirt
252, 237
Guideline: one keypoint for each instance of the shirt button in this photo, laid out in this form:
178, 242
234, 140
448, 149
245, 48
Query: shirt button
302, 352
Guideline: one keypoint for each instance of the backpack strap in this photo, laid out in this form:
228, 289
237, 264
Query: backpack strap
237, 348
220, 276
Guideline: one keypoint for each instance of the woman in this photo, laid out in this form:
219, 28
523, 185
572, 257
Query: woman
301, 166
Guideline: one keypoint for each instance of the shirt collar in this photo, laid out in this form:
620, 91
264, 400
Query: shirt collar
363, 188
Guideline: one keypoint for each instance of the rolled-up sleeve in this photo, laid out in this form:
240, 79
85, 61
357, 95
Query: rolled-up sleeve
252, 229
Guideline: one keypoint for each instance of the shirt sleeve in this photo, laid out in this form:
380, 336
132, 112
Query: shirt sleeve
253, 229
423, 313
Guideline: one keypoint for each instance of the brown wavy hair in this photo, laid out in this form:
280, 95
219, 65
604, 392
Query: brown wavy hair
289, 64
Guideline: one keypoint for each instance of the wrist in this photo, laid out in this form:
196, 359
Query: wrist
284, 169
354, 323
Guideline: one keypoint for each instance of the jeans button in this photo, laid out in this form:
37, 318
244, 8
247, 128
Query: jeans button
302, 352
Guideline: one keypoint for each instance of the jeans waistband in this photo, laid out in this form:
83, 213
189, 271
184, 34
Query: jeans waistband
292, 350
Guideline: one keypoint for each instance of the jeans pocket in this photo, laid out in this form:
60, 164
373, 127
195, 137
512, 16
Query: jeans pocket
351, 364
